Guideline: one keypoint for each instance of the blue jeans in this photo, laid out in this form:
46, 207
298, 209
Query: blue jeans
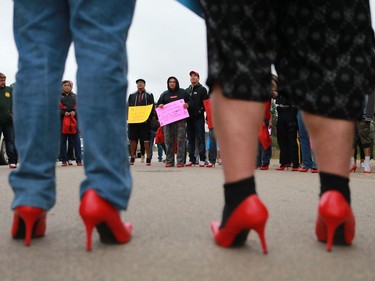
264, 156
161, 148
212, 151
99, 34
76, 144
307, 160
10, 148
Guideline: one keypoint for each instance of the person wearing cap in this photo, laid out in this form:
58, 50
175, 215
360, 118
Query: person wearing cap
195, 123
6, 121
140, 131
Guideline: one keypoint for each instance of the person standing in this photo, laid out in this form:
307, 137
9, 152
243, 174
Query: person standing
286, 131
141, 131
244, 39
264, 155
176, 131
99, 32
195, 123
6, 121
68, 108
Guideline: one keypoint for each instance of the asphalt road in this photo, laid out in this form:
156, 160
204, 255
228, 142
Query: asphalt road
171, 210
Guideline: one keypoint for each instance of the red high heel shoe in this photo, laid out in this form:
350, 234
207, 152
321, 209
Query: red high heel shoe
99, 213
333, 212
28, 222
210, 165
353, 168
250, 214
283, 167
265, 167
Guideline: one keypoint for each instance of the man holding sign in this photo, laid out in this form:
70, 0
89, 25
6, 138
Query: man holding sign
139, 120
177, 101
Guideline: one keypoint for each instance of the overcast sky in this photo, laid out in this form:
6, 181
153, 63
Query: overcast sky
165, 40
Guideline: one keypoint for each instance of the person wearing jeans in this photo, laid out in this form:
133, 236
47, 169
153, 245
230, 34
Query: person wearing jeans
307, 154
99, 32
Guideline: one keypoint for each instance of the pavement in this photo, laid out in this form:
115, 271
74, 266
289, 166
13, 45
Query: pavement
171, 210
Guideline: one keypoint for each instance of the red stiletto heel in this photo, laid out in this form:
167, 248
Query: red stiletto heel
250, 214
99, 213
353, 168
333, 212
210, 165
28, 222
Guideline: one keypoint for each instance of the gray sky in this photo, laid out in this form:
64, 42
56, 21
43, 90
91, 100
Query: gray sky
165, 40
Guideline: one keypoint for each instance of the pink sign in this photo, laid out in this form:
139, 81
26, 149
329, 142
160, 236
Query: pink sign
172, 112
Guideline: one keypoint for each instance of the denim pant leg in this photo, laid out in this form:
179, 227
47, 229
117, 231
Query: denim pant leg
63, 151
305, 143
160, 151
43, 42
258, 159
10, 147
212, 152
77, 147
266, 154
99, 34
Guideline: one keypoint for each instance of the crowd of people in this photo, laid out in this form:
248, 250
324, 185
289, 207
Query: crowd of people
187, 138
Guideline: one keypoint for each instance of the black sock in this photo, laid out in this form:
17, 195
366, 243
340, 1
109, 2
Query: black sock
234, 194
334, 182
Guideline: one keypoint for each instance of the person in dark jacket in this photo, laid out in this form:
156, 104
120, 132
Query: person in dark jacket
141, 131
6, 122
176, 131
195, 123
68, 106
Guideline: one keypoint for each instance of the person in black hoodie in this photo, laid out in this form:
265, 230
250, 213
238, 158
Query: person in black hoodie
195, 123
176, 131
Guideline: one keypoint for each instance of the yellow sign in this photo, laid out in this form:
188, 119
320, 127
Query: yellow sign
139, 114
